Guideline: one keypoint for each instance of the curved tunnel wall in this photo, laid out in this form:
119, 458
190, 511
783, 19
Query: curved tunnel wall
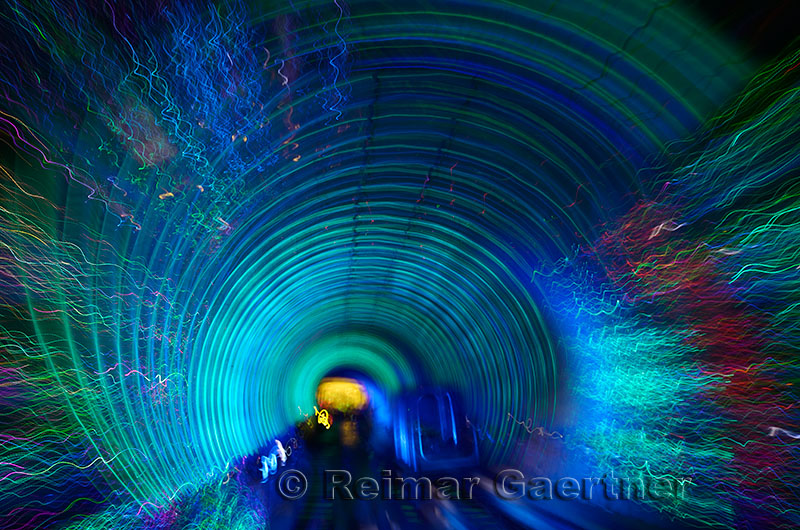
253, 199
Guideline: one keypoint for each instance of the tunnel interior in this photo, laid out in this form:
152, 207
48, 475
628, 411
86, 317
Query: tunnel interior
461, 238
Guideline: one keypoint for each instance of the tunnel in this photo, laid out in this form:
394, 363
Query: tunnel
364, 264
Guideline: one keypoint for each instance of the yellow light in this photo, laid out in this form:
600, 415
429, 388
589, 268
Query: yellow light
349, 433
343, 394
323, 418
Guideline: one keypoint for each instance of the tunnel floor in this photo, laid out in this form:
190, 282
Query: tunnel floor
323, 451
315, 511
